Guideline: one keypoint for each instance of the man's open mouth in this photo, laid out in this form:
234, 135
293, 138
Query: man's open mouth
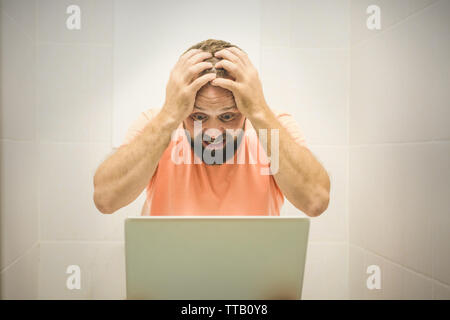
217, 144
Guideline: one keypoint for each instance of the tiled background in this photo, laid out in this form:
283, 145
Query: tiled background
374, 106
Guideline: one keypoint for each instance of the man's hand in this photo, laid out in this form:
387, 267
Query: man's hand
246, 88
184, 83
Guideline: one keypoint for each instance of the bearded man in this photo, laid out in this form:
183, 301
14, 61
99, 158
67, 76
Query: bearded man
215, 147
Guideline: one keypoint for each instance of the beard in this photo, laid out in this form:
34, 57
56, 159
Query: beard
218, 152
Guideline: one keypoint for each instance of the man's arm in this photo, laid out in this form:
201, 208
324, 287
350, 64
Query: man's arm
300, 176
123, 176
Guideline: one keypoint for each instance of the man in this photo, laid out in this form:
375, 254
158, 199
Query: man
215, 99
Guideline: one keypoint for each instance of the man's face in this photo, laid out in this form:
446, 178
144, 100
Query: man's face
216, 109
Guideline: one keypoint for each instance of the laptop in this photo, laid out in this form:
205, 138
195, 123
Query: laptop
215, 257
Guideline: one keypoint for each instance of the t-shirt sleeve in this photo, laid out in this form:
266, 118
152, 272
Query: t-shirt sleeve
291, 125
138, 125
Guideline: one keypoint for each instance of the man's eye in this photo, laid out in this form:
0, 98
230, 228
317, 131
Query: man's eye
198, 117
227, 117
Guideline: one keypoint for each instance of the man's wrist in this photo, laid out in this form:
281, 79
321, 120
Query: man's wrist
262, 116
169, 119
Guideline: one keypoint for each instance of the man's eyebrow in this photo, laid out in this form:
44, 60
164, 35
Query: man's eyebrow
224, 109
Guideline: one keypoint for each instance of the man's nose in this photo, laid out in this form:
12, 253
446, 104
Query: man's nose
215, 125
213, 131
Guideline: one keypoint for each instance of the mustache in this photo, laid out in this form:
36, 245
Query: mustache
225, 137
230, 142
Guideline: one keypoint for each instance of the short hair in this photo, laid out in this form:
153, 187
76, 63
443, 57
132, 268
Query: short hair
212, 46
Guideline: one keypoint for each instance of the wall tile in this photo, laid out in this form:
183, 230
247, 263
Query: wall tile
397, 282
75, 93
391, 12
369, 260
394, 202
399, 81
320, 24
314, 89
428, 69
416, 286
357, 273
67, 208
276, 22
96, 21
23, 12
102, 267
438, 203
366, 202
440, 291
20, 280
332, 224
326, 271
17, 79
392, 285
379, 100
417, 5
408, 189
19, 209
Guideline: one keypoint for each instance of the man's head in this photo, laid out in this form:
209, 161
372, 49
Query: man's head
215, 108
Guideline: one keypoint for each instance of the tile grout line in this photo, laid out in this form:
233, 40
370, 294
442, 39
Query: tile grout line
37, 126
395, 25
16, 260
407, 268
347, 200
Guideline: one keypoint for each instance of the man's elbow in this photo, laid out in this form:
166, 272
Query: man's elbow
318, 202
102, 205
318, 206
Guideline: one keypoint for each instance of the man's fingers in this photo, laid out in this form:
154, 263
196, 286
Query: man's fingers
198, 57
196, 69
201, 81
227, 54
234, 70
189, 54
225, 83
241, 54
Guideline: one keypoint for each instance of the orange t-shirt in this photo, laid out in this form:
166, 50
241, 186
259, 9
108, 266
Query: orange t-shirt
202, 189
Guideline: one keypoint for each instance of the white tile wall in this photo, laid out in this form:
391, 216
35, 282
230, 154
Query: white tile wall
320, 24
326, 271
399, 81
74, 92
314, 89
399, 172
394, 177
20, 279
19, 227
96, 21
332, 224
441, 291
276, 22
397, 282
66, 201
102, 270
23, 12
17, 76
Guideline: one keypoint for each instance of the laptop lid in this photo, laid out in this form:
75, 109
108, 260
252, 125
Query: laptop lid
215, 257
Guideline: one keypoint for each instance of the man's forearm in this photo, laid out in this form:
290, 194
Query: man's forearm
301, 178
123, 176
